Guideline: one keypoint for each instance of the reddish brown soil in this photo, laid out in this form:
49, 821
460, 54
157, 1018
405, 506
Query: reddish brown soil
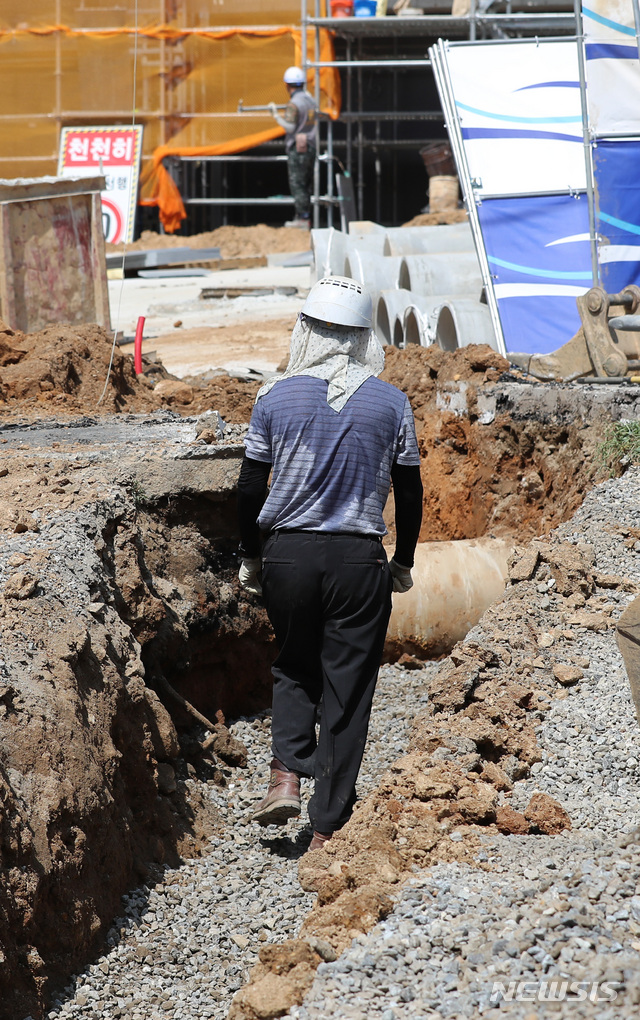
488, 479
478, 478
61, 371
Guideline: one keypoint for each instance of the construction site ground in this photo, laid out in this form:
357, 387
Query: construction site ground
497, 826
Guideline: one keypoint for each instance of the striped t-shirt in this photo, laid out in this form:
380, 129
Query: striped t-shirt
331, 471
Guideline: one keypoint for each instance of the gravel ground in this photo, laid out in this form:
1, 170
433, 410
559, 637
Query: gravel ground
182, 948
540, 919
550, 917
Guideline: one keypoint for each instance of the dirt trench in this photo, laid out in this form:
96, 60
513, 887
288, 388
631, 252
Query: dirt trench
118, 575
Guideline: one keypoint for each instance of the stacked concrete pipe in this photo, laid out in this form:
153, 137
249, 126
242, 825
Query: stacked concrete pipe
417, 240
389, 313
330, 247
420, 280
328, 250
462, 321
375, 272
441, 273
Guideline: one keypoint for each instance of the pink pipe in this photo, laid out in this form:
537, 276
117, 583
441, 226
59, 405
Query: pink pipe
137, 347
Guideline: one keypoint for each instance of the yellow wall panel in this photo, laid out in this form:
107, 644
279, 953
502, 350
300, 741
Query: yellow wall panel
22, 141
187, 85
185, 13
27, 82
98, 74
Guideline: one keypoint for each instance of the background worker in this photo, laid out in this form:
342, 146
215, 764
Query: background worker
333, 435
299, 122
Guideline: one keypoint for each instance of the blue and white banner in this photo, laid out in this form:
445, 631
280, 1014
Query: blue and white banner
539, 254
515, 117
518, 107
617, 176
613, 69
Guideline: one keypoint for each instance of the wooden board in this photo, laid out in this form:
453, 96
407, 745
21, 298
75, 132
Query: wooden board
52, 260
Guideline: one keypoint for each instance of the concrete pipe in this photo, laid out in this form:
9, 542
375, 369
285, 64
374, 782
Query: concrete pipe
364, 239
375, 272
366, 228
414, 327
453, 584
328, 247
419, 318
421, 240
457, 273
460, 321
390, 307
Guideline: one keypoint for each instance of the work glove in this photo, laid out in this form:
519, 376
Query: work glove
402, 579
248, 575
273, 109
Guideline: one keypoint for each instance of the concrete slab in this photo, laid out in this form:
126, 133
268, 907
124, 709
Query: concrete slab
163, 301
160, 453
194, 346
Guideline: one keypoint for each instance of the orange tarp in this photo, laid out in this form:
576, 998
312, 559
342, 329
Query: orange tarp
167, 33
159, 188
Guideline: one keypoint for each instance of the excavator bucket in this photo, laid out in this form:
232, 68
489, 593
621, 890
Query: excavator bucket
628, 634
596, 349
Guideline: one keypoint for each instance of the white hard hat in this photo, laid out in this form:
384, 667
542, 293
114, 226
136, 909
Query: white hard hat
294, 76
339, 300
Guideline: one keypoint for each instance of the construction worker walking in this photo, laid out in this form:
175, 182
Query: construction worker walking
299, 122
333, 436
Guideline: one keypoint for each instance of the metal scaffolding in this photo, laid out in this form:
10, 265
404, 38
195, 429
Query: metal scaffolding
398, 37
382, 57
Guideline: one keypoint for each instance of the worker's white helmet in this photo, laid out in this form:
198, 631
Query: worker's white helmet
340, 300
294, 76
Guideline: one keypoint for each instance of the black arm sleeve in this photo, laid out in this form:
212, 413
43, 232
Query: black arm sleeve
252, 492
407, 494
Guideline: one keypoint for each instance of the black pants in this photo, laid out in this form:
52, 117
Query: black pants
329, 599
300, 172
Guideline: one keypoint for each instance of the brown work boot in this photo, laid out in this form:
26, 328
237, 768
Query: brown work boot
283, 798
319, 840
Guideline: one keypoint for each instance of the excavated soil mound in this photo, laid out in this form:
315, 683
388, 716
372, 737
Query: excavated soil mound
436, 219
65, 368
481, 473
232, 241
486, 474
62, 370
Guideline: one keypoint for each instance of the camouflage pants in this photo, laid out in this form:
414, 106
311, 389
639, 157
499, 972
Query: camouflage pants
300, 170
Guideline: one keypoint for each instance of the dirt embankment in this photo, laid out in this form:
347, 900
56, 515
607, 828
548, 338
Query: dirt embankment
480, 476
62, 370
488, 473
102, 600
